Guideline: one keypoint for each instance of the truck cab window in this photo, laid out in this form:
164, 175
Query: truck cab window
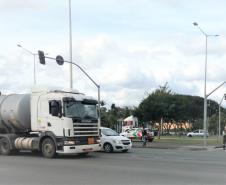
54, 108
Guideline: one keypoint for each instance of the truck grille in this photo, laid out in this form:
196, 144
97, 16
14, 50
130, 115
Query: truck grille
85, 140
85, 129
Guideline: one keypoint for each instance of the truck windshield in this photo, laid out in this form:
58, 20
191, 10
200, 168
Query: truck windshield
80, 109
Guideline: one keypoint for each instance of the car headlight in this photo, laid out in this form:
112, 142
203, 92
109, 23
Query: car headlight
117, 141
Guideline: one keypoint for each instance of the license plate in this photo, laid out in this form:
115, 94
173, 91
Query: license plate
91, 140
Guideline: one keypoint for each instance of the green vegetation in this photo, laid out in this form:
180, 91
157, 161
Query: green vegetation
172, 108
184, 140
110, 117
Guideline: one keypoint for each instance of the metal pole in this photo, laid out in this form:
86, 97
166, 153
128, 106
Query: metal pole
219, 123
205, 99
99, 118
205, 95
70, 45
34, 71
216, 89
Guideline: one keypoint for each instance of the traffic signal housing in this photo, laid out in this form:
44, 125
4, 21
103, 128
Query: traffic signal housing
41, 57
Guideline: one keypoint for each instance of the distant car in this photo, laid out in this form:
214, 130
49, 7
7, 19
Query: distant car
112, 141
136, 133
198, 132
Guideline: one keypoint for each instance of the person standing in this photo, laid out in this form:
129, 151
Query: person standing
224, 138
144, 136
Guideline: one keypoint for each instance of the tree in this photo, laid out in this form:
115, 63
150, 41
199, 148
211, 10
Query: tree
213, 122
173, 108
110, 116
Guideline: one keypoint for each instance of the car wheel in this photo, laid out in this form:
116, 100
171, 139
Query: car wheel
48, 148
108, 148
189, 135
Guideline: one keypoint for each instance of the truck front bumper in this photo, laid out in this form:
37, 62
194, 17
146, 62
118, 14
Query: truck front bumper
76, 149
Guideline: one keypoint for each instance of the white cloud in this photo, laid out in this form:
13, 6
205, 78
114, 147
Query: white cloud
125, 71
11, 5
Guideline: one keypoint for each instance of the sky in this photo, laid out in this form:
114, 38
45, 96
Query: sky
129, 47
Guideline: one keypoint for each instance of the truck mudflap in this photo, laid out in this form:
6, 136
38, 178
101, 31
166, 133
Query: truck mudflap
76, 149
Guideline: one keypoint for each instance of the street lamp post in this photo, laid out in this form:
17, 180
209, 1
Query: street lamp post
70, 45
219, 124
205, 96
28, 51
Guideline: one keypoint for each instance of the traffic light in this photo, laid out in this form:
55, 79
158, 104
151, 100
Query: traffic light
59, 60
42, 57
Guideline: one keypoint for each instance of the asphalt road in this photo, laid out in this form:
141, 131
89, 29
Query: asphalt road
141, 166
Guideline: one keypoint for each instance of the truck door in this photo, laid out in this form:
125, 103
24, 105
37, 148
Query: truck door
54, 122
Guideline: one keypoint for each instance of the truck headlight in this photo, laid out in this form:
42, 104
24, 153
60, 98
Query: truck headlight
69, 142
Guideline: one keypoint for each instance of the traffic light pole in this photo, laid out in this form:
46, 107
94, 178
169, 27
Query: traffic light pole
59, 59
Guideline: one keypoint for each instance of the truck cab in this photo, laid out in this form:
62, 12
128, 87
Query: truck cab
69, 116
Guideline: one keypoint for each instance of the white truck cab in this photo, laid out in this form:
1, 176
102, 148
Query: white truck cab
112, 141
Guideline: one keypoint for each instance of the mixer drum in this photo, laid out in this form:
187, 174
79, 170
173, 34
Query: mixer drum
15, 111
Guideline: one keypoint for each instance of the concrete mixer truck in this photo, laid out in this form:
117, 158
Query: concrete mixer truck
49, 121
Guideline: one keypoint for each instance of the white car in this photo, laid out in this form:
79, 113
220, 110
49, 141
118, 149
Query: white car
112, 141
197, 133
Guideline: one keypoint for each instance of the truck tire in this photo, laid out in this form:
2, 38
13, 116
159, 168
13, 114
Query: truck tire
5, 147
108, 148
48, 148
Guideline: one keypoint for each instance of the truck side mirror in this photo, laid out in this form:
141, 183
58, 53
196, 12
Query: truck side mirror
60, 115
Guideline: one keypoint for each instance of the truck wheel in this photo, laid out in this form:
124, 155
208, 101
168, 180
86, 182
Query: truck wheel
4, 146
108, 148
48, 148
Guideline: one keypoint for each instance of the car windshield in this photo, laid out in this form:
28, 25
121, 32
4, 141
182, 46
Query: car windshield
109, 132
80, 109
